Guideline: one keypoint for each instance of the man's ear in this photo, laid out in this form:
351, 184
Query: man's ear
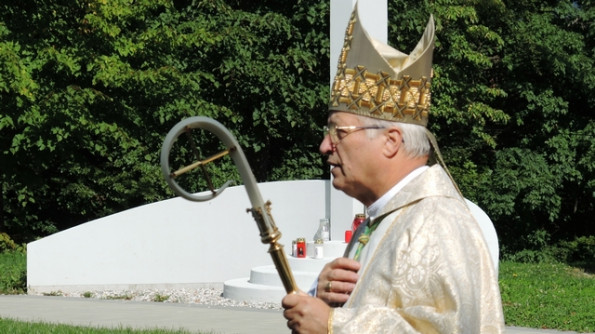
393, 143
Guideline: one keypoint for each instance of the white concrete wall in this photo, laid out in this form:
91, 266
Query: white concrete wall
178, 242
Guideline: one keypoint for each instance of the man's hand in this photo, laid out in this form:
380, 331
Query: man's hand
305, 314
336, 281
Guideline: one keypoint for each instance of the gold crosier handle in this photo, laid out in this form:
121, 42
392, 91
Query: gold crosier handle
261, 212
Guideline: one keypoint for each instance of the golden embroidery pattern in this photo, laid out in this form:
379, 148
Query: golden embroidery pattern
378, 95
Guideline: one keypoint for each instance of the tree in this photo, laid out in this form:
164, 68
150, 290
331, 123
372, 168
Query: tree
90, 88
544, 165
512, 108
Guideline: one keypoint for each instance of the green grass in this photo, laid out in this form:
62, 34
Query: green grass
18, 327
548, 295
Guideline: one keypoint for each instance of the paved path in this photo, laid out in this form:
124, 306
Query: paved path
140, 315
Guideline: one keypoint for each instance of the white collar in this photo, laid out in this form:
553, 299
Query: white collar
375, 208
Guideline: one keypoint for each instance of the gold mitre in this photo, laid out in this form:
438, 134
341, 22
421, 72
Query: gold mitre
375, 80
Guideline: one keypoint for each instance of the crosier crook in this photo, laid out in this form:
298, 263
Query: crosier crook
261, 211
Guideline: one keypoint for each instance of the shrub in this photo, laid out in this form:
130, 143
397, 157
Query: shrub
6, 243
13, 271
579, 252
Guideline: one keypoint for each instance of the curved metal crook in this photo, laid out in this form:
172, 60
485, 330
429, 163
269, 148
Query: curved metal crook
261, 212
233, 148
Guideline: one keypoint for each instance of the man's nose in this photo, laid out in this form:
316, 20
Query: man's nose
326, 146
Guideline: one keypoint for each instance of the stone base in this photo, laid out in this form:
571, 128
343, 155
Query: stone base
264, 284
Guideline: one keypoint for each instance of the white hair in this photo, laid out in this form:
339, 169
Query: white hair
415, 141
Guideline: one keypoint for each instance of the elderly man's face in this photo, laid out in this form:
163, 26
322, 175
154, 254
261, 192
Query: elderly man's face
353, 157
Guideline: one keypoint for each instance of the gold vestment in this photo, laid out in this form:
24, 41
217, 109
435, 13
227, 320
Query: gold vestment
430, 271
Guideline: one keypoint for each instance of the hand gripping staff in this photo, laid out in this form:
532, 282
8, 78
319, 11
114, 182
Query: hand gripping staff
261, 212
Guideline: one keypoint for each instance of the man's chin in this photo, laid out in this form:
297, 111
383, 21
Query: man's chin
337, 184
337, 178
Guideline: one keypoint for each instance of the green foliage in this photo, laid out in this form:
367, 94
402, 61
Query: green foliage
13, 272
547, 295
159, 298
57, 293
124, 296
578, 252
581, 250
87, 294
6, 243
512, 109
540, 250
90, 88
13, 266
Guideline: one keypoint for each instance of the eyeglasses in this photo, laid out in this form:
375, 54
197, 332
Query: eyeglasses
339, 133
